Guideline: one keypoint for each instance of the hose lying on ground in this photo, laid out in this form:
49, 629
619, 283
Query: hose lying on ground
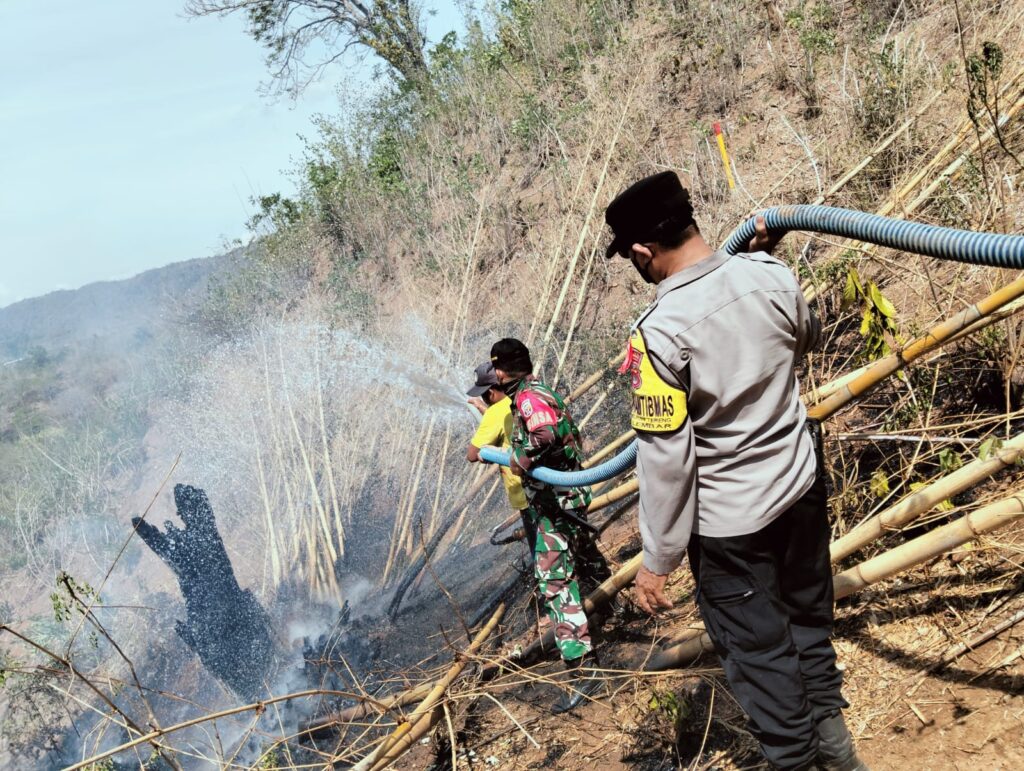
989, 249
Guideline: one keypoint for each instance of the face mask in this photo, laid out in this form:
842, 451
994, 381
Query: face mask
509, 387
641, 270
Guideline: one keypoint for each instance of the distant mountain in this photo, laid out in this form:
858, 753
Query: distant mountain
119, 314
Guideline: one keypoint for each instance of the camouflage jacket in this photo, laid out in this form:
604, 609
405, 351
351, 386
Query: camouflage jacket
544, 434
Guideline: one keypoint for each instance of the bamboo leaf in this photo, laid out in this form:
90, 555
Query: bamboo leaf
880, 301
949, 460
853, 291
879, 484
988, 447
865, 323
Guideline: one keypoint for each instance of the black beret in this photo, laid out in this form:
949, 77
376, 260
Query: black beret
639, 209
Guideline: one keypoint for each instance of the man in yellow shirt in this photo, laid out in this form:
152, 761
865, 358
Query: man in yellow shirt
494, 430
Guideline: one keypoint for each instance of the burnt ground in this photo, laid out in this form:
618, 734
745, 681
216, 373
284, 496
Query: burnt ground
967, 715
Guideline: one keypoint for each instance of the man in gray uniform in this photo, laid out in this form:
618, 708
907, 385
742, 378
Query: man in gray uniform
729, 471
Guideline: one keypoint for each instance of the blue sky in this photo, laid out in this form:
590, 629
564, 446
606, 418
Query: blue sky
132, 137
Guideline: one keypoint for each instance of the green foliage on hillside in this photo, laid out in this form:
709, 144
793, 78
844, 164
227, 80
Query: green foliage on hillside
65, 436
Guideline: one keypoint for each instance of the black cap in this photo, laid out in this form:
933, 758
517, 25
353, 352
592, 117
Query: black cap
638, 210
485, 380
511, 355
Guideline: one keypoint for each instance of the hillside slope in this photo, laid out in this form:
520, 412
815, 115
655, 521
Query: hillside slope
121, 314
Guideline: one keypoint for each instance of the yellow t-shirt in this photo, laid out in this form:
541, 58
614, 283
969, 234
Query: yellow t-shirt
495, 429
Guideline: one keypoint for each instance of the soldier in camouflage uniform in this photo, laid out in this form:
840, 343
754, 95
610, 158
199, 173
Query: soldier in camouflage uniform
544, 434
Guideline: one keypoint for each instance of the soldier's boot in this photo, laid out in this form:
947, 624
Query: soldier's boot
584, 683
835, 745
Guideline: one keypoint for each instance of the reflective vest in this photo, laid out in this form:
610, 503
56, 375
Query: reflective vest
658, 408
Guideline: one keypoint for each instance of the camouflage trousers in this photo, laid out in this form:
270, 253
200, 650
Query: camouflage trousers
563, 558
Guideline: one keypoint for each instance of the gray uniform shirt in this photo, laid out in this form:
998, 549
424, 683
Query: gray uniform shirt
729, 331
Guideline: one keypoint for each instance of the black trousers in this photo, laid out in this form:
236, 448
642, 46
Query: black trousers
766, 599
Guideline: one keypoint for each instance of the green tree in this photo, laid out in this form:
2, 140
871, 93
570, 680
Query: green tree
326, 29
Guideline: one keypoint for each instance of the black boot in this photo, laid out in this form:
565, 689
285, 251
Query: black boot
835, 745
584, 683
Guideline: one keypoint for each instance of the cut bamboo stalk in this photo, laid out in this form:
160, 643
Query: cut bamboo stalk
595, 377
609, 448
439, 483
585, 228
918, 502
932, 544
405, 515
596, 405
275, 557
420, 719
894, 200
880, 147
416, 731
882, 368
483, 504
557, 255
904, 557
407, 535
396, 527
462, 310
617, 494
974, 146
827, 389
574, 319
314, 492
328, 465
209, 717
365, 708
979, 639
293, 516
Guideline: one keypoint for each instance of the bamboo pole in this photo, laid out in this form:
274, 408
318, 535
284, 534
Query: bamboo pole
616, 494
275, 557
904, 557
439, 482
895, 198
487, 499
405, 515
979, 639
975, 145
829, 388
939, 334
609, 448
932, 544
364, 708
880, 147
557, 255
918, 502
595, 377
328, 465
601, 397
428, 549
294, 516
254, 707
581, 296
314, 493
462, 309
585, 229
421, 719
407, 534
